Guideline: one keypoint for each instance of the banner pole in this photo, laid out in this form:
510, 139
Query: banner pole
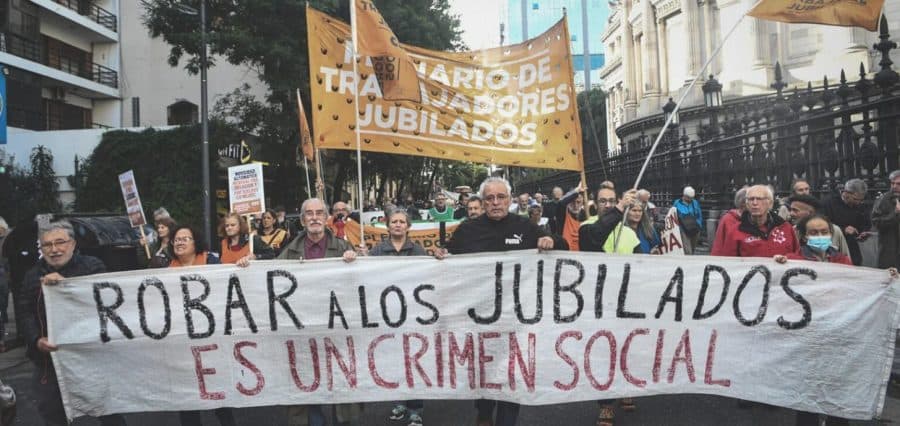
302, 152
306, 168
144, 239
249, 232
320, 194
683, 96
356, 59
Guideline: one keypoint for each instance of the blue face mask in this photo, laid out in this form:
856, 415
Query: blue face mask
820, 243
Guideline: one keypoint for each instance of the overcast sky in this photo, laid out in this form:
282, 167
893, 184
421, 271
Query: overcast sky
480, 21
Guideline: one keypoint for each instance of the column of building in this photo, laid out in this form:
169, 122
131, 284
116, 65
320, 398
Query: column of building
628, 68
650, 49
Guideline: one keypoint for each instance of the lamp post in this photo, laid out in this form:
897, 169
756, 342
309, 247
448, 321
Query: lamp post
712, 97
204, 119
668, 110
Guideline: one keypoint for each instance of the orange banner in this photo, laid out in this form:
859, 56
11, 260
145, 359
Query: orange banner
512, 105
845, 13
393, 68
306, 143
429, 239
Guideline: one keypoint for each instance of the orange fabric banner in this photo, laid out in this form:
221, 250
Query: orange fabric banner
845, 13
511, 105
306, 142
393, 68
429, 239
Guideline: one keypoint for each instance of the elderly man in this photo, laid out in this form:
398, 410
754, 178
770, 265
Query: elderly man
521, 206
849, 214
59, 261
690, 219
474, 207
498, 230
799, 187
886, 218
758, 233
441, 212
803, 206
317, 242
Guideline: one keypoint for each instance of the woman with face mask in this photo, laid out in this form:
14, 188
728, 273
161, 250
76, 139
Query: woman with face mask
815, 240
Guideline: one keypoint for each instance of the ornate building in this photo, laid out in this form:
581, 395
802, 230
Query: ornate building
654, 48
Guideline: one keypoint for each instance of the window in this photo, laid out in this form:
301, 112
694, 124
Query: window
182, 113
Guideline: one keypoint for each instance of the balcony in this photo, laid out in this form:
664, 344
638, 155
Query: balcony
92, 11
31, 50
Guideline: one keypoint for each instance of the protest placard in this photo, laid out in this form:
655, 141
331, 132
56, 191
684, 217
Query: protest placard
245, 189
670, 237
534, 328
133, 206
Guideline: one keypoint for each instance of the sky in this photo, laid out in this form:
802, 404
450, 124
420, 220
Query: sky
480, 21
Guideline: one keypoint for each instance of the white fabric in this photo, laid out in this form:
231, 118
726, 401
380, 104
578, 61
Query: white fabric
838, 363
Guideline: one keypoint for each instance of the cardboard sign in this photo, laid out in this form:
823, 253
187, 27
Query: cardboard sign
245, 189
133, 206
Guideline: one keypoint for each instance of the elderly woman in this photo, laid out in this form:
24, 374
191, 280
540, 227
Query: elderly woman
235, 234
189, 249
635, 234
399, 245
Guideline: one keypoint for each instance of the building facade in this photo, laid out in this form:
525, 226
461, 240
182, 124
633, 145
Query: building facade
528, 18
654, 48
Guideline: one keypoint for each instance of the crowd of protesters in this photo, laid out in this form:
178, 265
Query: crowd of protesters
802, 228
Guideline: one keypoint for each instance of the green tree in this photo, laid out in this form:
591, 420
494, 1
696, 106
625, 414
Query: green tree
43, 186
592, 111
16, 201
270, 35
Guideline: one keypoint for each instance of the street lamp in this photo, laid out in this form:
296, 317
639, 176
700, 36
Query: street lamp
204, 120
712, 96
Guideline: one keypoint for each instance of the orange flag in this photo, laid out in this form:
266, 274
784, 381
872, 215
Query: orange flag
845, 13
394, 70
306, 143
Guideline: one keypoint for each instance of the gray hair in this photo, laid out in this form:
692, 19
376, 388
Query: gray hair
642, 192
491, 180
740, 198
769, 193
856, 186
161, 212
309, 200
394, 211
63, 225
3, 225
894, 175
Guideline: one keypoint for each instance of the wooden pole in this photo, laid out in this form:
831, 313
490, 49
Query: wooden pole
144, 239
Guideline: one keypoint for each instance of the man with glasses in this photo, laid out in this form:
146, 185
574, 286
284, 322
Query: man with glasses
758, 233
610, 210
59, 261
849, 214
316, 241
498, 230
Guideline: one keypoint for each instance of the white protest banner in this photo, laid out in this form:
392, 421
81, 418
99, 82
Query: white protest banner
246, 190
671, 235
132, 200
534, 328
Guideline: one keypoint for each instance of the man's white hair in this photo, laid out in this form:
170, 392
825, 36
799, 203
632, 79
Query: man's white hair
491, 180
309, 200
769, 193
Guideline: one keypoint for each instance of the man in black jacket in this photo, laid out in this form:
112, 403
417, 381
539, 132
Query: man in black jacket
592, 236
498, 230
57, 242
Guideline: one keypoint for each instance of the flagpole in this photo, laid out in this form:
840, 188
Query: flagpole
683, 96
302, 151
356, 58
319, 174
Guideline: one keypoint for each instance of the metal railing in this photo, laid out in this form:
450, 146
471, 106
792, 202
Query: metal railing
93, 12
31, 50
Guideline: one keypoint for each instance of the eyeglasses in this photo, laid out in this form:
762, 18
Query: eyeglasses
496, 198
314, 213
183, 239
606, 201
53, 244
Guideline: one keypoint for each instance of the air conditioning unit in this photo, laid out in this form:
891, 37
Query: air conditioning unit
58, 93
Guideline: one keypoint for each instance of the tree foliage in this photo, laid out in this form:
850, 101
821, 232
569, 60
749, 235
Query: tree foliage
270, 36
166, 166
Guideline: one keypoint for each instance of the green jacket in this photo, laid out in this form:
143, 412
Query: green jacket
335, 247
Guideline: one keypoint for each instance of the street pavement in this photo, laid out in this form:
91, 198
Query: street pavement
16, 371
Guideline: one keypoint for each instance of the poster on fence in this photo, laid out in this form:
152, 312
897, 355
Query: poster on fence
133, 206
245, 189
529, 327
